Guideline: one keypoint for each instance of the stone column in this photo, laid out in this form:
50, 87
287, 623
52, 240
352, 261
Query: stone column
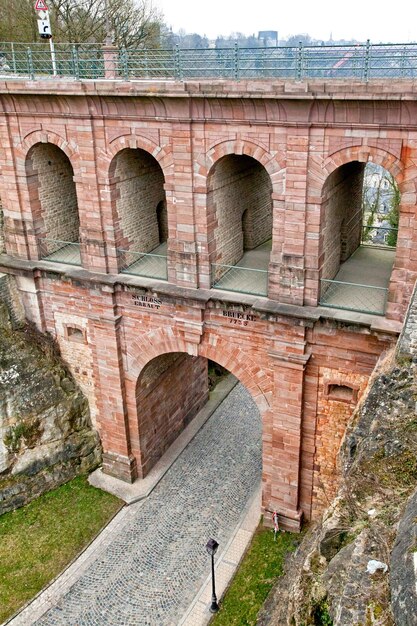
112, 414
283, 439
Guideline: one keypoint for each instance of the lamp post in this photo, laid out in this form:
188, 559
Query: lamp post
211, 548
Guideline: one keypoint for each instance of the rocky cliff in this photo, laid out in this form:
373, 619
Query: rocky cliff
45, 431
356, 567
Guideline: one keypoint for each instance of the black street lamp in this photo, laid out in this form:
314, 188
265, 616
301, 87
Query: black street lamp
211, 548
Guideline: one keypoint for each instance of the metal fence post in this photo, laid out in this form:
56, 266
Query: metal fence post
75, 62
178, 71
299, 68
125, 62
14, 59
236, 61
30, 64
366, 69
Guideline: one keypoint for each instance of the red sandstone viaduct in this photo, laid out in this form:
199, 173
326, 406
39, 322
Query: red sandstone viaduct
125, 205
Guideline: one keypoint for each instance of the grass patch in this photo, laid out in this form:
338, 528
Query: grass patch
260, 567
40, 539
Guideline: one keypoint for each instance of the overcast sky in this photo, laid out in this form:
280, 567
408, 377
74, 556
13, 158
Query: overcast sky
378, 20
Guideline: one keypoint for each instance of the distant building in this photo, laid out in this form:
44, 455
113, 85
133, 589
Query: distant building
268, 37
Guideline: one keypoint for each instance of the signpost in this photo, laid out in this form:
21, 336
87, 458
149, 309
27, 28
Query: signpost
44, 28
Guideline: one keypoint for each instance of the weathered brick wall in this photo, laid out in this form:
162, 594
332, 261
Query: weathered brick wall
342, 206
240, 194
2, 248
334, 410
138, 191
170, 392
9, 294
50, 178
76, 349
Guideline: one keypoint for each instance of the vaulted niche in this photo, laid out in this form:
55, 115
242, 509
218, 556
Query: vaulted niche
360, 205
239, 205
140, 213
53, 201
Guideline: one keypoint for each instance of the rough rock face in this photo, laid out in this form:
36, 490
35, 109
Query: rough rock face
45, 431
327, 581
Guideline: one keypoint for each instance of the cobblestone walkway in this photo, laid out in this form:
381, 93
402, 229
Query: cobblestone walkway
150, 572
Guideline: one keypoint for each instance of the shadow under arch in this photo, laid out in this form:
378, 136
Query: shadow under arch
52, 197
170, 392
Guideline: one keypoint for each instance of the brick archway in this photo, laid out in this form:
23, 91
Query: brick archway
272, 162
229, 356
160, 153
69, 148
166, 385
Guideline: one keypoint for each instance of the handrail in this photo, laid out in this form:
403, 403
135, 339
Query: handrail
361, 62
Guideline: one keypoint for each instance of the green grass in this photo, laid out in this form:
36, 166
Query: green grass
260, 568
40, 539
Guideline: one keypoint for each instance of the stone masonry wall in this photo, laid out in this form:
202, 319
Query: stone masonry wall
342, 206
50, 178
239, 185
139, 189
170, 392
2, 247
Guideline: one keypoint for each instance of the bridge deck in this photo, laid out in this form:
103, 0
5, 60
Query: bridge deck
362, 281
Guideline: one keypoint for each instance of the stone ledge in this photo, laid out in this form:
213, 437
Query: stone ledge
377, 323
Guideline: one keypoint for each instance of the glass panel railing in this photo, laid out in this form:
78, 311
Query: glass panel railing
353, 296
143, 264
59, 251
239, 279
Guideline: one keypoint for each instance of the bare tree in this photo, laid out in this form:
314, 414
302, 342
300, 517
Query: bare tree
132, 23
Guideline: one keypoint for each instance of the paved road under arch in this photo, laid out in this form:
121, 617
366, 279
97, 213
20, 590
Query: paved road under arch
155, 562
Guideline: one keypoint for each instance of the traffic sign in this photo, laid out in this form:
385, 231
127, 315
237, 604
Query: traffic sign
40, 5
44, 28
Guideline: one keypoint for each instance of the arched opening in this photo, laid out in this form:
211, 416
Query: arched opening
240, 202
171, 391
53, 199
360, 206
139, 206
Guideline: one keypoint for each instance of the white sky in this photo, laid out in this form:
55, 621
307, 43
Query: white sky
378, 20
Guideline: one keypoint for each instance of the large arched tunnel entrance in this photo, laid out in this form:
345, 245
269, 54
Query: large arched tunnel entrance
360, 208
172, 390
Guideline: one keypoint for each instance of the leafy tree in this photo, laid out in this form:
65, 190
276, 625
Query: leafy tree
385, 193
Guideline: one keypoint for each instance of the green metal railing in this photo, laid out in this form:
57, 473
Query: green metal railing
143, 264
361, 62
68, 252
239, 279
353, 296
385, 236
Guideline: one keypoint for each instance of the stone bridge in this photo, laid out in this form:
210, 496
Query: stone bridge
154, 226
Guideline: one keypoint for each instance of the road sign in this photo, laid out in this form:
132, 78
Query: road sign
40, 5
44, 28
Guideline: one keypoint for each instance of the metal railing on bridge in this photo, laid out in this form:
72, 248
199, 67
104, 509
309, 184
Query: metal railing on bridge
353, 296
361, 62
68, 252
145, 264
240, 279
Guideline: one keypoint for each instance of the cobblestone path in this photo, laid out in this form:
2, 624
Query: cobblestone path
152, 569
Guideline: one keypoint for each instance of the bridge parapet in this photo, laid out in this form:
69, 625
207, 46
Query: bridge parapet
362, 62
